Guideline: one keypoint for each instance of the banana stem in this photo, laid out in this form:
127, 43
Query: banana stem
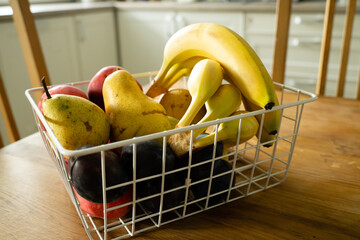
208, 117
170, 81
191, 112
226, 146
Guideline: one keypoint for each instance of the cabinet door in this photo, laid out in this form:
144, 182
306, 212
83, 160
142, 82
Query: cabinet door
260, 34
96, 39
234, 21
142, 36
59, 46
16, 80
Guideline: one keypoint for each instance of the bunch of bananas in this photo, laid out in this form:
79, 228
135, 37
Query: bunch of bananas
208, 53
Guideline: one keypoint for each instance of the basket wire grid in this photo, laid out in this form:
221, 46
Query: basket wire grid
254, 167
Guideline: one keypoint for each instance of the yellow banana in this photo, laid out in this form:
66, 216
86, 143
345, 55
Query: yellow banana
176, 72
266, 137
271, 122
217, 42
228, 132
204, 80
176, 101
223, 103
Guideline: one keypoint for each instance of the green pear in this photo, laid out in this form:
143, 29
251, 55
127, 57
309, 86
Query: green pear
76, 121
130, 112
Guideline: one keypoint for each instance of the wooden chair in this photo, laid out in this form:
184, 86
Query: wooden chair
34, 59
283, 13
29, 40
8, 117
325, 48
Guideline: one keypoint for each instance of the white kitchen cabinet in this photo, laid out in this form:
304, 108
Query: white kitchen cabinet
303, 55
14, 74
260, 34
232, 20
59, 45
75, 47
143, 34
97, 42
142, 37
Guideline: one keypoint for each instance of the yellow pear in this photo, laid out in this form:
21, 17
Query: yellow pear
176, 101
130, 112
76, 121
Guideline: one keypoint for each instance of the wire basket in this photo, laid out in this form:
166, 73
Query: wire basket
251, 168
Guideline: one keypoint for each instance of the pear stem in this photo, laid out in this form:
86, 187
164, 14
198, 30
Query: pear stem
45, 87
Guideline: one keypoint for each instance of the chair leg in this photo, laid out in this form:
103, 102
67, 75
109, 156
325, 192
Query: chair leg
8, 116
358, 86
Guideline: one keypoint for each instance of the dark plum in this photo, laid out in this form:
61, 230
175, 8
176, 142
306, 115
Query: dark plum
149, 162
148, 158
218, 184
202, 155
85, 172
153, 186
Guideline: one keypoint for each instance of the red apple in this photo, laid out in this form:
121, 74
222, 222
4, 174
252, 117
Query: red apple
97, 82
63, 89
97, 209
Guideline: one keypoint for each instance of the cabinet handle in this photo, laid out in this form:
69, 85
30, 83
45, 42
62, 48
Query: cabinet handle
308, 19
296, 42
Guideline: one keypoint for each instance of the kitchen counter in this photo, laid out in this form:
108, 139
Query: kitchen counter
61, 8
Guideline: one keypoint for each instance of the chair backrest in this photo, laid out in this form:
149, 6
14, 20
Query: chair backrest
283, 13
325, 49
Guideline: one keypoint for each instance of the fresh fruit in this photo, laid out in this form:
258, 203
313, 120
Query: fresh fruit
176, 101
204, 156
75, 121
86, 175
96, 84
228, 132
171, 198
149, 162
219, 183
223, 103
149, 159
62, 89
271, 121
173, 121
240, 62
177, 72
130, 112
97, 209
204, 80
266, 139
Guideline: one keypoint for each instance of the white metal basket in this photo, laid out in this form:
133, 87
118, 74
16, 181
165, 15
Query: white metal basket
254, 168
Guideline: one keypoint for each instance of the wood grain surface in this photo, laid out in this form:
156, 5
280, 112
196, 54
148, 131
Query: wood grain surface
320, 198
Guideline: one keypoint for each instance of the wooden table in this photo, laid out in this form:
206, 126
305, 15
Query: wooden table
320, 198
